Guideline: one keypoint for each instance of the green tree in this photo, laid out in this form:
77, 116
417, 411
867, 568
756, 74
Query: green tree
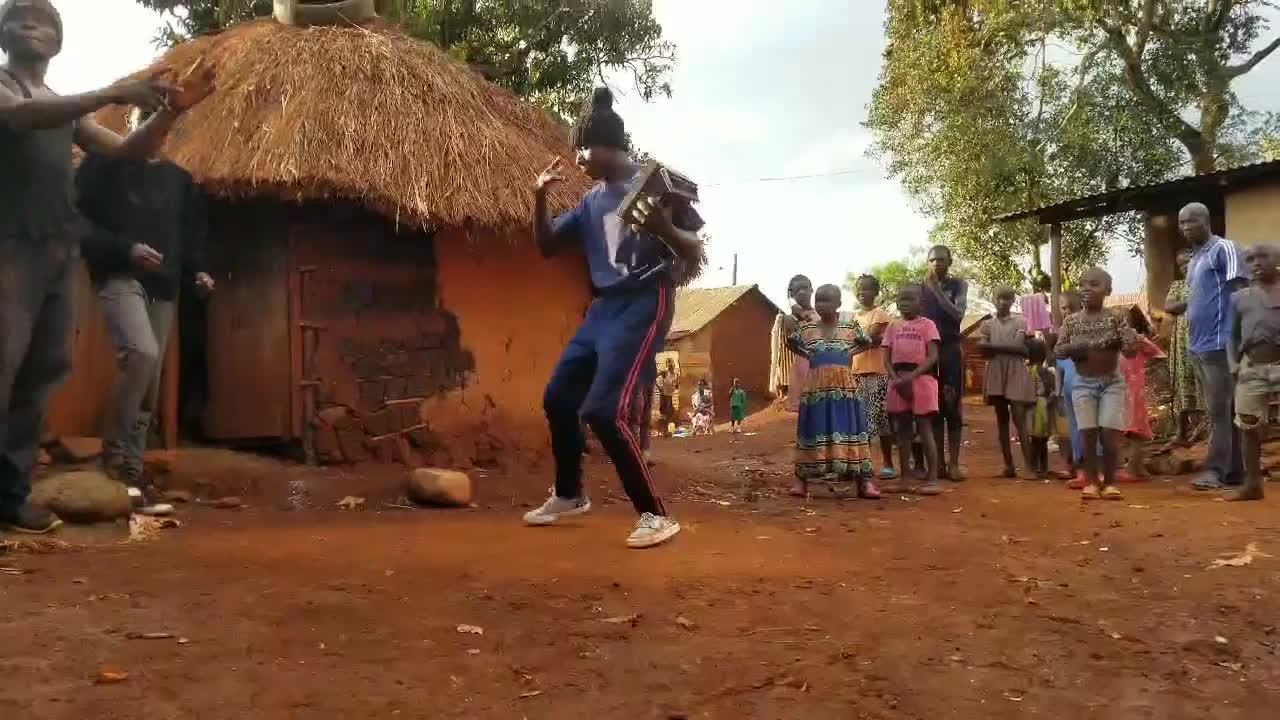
986, 106
551, 52
1271, 148
911, 269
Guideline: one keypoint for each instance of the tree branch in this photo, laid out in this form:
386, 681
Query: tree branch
1235, 71
1186, 133
1145, 23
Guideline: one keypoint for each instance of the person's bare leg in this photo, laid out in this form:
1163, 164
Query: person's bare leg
938, 430
1089, 458
1018, 411
905, 425
1002, 433
1110, 455
925, 427
1068, 454
1253, 432
955, 436
1137, 458
886, 450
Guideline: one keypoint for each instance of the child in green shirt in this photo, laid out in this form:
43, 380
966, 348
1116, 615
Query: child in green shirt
737, 406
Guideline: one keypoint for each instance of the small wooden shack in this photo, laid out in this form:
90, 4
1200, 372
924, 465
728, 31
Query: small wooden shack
1244, 202
720, 334
370, 237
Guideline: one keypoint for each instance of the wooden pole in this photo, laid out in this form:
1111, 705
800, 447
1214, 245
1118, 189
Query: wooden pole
735, 269
1055, 273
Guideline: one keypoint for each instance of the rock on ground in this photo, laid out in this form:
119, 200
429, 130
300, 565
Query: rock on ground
84, 496
433, 486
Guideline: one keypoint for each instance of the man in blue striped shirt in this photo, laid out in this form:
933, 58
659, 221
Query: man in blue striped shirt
1214, 273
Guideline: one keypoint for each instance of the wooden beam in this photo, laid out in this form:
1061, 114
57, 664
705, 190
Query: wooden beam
1055, 273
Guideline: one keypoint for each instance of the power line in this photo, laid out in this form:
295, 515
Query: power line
786, 178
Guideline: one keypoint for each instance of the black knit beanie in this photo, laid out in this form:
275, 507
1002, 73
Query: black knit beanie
599, 124
45, 5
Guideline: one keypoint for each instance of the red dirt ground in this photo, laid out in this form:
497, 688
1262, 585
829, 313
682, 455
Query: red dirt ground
999, 599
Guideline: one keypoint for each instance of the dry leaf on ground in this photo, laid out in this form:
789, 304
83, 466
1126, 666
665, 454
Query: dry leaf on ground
1251, 551
350, 502
471, 629
631, 620
110, 677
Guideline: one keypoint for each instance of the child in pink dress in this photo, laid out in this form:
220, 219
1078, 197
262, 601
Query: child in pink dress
912, 346
1134, 370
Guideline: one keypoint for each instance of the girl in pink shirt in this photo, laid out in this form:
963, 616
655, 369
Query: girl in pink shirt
912, 344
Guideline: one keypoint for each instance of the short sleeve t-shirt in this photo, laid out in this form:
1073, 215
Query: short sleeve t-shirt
1213, 267
871, 361
908, 340
618, 257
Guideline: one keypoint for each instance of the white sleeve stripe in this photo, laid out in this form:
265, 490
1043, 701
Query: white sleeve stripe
1231, 256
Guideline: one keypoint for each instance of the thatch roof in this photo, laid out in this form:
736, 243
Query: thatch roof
364, 114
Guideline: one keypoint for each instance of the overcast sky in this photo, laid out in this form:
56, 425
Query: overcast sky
759, 93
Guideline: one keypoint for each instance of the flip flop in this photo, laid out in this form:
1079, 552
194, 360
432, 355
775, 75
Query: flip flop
867, 490
1090, 492
1207, 482
888, 473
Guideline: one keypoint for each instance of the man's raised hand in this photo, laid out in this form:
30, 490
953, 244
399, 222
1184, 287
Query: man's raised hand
552, 176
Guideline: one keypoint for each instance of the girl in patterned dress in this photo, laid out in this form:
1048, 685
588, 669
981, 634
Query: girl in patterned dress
872, 372
832, 447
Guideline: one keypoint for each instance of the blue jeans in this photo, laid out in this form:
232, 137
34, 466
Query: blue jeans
608, 359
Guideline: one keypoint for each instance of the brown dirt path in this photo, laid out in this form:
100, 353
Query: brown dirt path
1000, 599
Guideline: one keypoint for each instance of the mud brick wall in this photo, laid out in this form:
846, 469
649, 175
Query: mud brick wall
740, 348
469, 325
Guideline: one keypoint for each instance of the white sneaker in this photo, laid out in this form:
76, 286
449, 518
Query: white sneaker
555, 508
652, 530
145, 504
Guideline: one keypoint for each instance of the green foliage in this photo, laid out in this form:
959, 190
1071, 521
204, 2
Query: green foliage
1271, 148
550, 52
911, 269
985, 107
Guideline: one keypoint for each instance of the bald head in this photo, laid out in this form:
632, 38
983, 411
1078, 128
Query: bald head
1195, 223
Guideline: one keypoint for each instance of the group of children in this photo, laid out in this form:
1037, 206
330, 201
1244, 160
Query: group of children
1084, 383
868, 375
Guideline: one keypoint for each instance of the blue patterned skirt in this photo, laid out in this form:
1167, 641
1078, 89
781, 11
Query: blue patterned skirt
831, 433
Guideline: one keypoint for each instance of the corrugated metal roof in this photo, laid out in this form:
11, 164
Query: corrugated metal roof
696, 307
1141, 197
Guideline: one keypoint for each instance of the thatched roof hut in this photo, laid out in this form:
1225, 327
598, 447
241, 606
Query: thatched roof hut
364, 114
370, 236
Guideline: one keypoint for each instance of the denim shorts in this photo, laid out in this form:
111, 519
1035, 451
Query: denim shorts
1099, 402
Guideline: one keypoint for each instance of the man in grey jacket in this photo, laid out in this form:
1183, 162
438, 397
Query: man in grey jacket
148, 244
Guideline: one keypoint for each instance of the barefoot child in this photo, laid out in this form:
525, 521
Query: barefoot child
831, 433
1134, 370
1094, 338
912, 344
1045, 411
1008, 383
873, 374
737, 406
1254, 353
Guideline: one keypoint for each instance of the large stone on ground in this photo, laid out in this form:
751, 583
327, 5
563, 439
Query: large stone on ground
84, 496
433, 486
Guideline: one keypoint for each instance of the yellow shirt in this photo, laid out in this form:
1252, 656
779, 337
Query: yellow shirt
871, 361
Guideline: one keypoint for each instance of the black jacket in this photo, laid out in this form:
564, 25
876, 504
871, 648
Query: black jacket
137, 201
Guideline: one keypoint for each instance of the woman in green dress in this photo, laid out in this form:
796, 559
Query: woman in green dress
1186, 385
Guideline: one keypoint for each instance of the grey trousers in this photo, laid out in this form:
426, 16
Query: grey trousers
1224, 460
37, 313
139, 328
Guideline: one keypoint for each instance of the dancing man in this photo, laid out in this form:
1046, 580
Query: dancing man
38, 225
631, 264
